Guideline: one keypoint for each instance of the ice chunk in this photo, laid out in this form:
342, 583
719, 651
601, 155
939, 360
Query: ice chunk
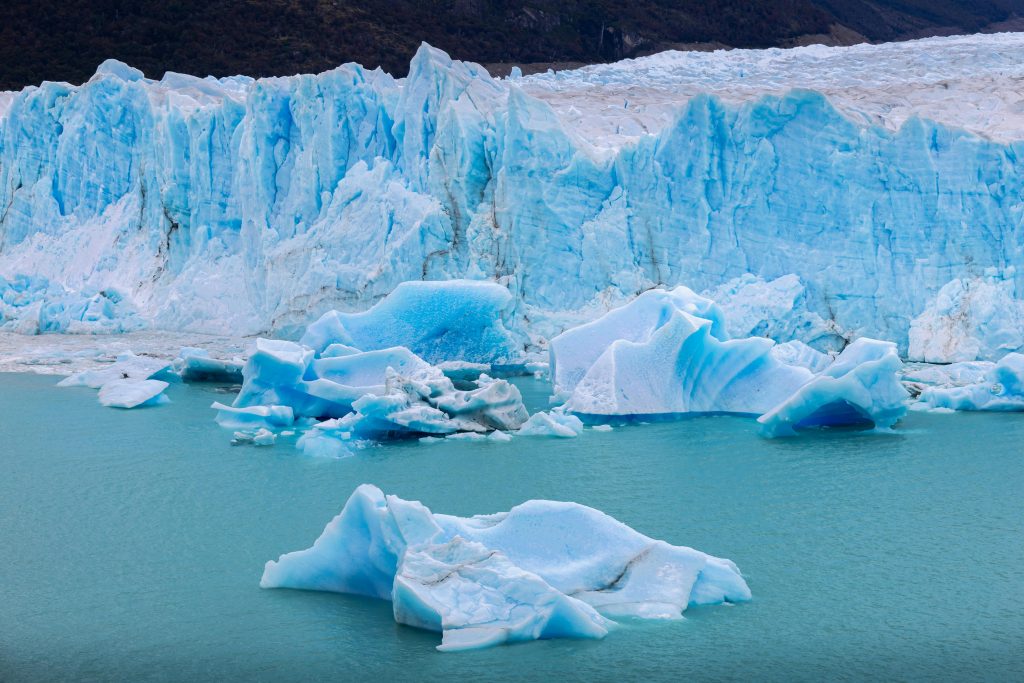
477, 598
682, 367
325, 440
575, 351
264, 437
254, 417
196, 365
860, 387
542, 570
133, 393
801, 355
430, 404
970, 319
128, 366
456, 320
1001, 388
554, 423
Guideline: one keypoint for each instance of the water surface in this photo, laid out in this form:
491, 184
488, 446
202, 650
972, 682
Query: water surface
133, 543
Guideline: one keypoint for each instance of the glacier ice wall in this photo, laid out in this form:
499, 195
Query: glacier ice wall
250, 206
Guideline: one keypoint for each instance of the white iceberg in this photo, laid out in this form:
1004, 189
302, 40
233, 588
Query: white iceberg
861, 386
196, 365
542, 570
254, 417
681, 367
1000, 388
576, 350
378, 394
553, 423
128, 367
133, 393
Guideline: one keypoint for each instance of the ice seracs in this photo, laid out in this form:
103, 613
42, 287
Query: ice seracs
851, 170
969, 319
543, 569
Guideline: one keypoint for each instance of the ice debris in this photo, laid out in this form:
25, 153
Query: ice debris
970, 319
129, 393
196, 365
130, 382
543, 569
1001, 388
553, 423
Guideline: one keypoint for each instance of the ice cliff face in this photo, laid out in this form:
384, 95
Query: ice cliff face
255, 205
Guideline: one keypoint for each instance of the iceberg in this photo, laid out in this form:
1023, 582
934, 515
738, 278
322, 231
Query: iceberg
131, 393
553, 423
861, 386
1000, 388
128, 367
574, 352
254, 417
456, 320
542, 570
196, 365
650, 357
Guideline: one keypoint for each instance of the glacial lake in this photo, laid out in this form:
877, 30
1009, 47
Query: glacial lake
133, 543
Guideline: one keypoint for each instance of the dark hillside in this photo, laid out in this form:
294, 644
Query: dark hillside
67, 39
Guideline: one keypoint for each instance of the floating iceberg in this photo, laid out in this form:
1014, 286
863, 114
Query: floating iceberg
128, 366
651, 357
575, 351
542, 570
131, 393
553, 423
376, 394
1000, 388
970, 319
860, 387
196, 365
456, 320
254, 417
128, 383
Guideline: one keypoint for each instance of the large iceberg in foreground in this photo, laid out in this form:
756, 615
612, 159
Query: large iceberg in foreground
1000, 388
861, 386
542, 570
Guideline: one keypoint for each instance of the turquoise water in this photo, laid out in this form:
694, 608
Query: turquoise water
133, 544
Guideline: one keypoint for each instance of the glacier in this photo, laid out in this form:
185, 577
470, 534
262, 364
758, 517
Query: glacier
870, 177
544, 569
